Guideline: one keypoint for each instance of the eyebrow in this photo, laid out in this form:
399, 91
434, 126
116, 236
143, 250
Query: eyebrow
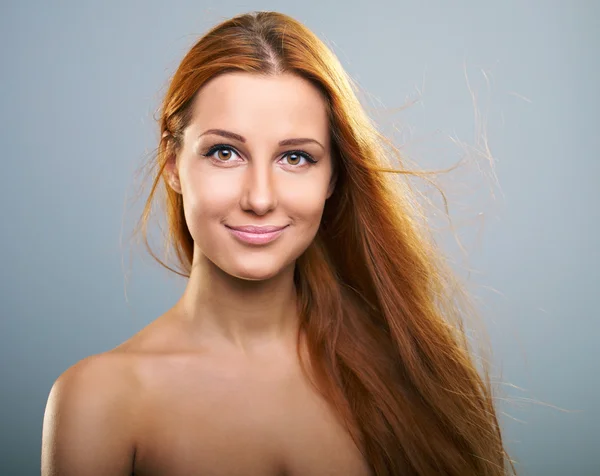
234, 136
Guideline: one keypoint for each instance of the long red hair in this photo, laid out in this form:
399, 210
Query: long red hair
380, 309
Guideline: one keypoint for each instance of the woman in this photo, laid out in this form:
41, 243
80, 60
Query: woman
314, 335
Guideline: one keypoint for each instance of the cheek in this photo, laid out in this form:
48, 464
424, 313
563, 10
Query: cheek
305, 200
206, 197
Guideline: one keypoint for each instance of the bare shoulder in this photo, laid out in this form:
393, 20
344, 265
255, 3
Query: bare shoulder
89, 422
107, 379
114, 368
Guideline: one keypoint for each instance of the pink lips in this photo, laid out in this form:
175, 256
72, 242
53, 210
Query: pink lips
256, 235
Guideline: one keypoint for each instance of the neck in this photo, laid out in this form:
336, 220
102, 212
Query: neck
223, 309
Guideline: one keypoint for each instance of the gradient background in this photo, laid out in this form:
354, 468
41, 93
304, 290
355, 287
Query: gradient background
81, 81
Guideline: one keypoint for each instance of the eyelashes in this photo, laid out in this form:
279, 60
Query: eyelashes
224, 147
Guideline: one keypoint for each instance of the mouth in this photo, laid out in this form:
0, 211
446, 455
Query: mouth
256, 235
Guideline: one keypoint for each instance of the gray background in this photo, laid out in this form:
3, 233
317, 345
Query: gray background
81, 81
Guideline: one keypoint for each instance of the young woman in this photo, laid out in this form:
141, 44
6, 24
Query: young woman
317, 332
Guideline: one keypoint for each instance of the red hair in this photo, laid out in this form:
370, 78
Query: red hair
380, 309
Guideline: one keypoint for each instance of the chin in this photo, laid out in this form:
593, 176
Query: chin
259, 269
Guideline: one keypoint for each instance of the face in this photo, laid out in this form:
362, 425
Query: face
255, 154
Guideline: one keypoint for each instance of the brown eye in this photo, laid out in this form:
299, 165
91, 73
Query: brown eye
224, 154
294, 159
220, 153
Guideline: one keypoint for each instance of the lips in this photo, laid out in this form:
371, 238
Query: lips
256, 235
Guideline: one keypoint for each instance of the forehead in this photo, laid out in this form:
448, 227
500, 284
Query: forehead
263, 106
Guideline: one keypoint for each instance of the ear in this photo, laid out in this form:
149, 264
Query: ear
171, 170
332, 184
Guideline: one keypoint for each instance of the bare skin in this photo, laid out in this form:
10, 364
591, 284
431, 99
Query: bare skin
214, 386
156, 407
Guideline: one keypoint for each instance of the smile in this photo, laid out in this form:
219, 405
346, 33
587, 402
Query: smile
256, 235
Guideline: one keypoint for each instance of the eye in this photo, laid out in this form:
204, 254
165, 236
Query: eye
223, 153
294, 157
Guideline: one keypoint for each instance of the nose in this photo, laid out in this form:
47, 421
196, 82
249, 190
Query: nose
259, 194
